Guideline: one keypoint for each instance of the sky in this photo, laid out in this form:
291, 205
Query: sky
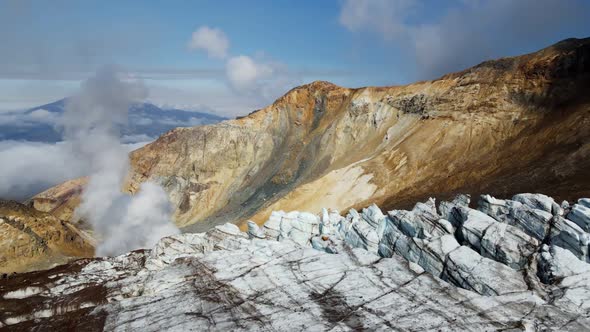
232, 57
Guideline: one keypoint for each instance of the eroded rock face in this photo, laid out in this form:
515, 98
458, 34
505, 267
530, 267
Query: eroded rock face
33, 240
489, 253
302, 271
468, 270
322, 145
580, 214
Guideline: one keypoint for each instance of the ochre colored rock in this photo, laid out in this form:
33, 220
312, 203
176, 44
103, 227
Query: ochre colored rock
34, 240
518, 124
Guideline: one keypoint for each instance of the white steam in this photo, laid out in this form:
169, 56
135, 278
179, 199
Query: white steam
91, 122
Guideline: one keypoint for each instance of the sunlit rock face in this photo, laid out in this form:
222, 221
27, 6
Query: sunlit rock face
33, 240
445, 266
518, 124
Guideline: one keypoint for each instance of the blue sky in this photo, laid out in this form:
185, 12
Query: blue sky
48, 47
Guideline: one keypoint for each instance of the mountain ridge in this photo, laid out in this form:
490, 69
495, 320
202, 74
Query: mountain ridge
58, 106
324, 145
41, 123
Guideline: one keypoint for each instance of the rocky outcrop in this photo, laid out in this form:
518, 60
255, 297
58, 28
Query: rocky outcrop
533, 221
306, 271
465, 268
580, 214
488, 253
506, 126
502, 242
33, 240
556, 263
568, 235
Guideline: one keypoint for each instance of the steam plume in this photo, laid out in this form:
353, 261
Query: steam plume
91, 123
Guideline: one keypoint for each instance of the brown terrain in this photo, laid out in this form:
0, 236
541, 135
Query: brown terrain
34, 240
517, 124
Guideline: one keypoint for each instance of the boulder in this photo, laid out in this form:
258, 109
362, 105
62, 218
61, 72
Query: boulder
570, 236
445, 208
557, 263
429, 254
372, 215
539, 201
467, 269
325, 244
389, 239
433, 253
296, 226
361, 234
501, 242
422, 222
329, 221
534, 222
254, 231
585, 202
580, 214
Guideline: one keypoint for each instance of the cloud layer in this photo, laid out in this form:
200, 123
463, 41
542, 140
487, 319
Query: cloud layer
243, 72
466, 34
28, 168
22, 119
211, 40
385, 17
91, 123
245, 75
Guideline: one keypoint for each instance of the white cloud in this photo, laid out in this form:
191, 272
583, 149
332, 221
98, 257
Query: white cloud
213, 96
138, 138
266, 80
11, 118
43, 116
23, 119
243, 72
383, 16
142, 121
193, 121
27, 168
258, 79
469, 32
212, 40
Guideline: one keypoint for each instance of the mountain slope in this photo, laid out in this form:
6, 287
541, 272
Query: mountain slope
33, 240
519, 124
40, 124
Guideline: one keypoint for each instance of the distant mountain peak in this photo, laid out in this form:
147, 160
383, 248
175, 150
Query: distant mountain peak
145, 120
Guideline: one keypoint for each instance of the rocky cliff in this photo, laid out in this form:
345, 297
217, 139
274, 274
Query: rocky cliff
518, 264
505, 126
34, 240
